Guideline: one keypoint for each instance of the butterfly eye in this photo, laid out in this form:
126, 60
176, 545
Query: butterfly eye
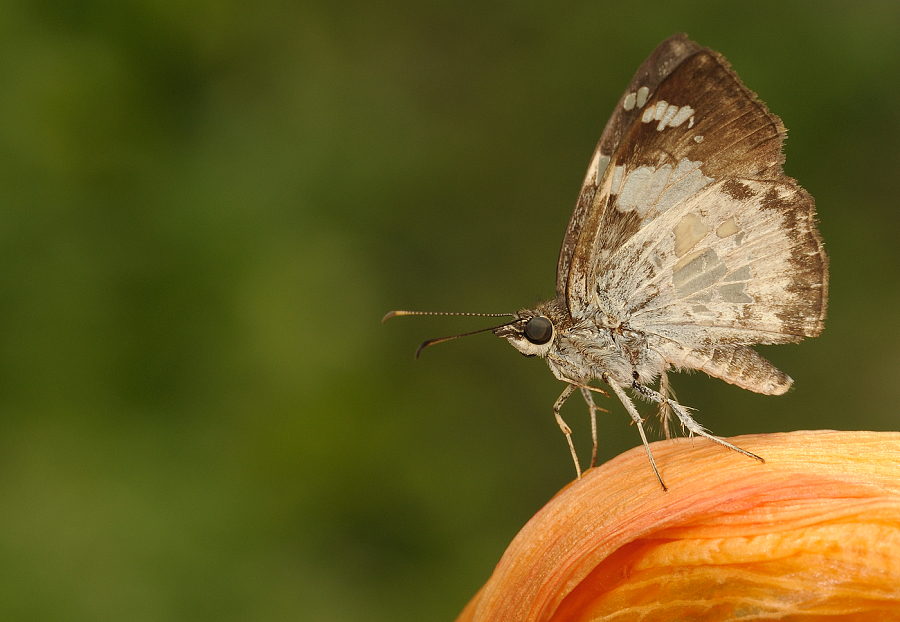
538, 330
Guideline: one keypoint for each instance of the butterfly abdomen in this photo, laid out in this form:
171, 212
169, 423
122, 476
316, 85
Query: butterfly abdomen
738, 365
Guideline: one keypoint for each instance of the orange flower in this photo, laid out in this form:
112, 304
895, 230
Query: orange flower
812, 534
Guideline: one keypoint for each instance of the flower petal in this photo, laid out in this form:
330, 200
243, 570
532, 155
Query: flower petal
813, 533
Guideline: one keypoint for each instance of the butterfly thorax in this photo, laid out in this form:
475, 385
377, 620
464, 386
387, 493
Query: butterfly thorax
609, 312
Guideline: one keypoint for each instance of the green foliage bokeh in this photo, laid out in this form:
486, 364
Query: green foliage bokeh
206, 208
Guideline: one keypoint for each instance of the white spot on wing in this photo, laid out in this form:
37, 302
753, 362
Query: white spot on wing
688, 232
729, 227
642, 188
697, 271
734, 292
698, 139
657, 188
630, 99
741, 274
660, 110
686, 180
667, 117
642, 94
682, 115
691, 123
686, 167
601, 167
597, 168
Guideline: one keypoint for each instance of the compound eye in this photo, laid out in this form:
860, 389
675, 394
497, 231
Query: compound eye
538, 330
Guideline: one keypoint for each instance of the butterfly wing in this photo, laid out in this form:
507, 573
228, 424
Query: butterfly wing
693, 235
669, 54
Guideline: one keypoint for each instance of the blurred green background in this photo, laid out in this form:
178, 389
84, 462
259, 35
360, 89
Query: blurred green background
205, 209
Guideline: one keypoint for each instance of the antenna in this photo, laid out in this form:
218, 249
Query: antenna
431, 342
391, 314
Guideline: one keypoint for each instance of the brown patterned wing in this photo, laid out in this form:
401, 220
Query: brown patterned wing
668, 55
694, 235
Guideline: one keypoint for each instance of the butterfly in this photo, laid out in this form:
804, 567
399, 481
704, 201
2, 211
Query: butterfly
688, 244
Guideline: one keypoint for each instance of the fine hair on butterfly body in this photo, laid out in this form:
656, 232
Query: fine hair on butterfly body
688, 244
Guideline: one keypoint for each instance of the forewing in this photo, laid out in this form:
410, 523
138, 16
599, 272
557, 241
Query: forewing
694, 233
668, 55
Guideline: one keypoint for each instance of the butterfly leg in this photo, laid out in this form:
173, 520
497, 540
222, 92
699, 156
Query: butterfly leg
666, 415
636, 416
586, 393
687, 421
564, 426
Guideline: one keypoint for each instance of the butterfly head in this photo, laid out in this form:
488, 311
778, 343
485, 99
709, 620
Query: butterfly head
533, 332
